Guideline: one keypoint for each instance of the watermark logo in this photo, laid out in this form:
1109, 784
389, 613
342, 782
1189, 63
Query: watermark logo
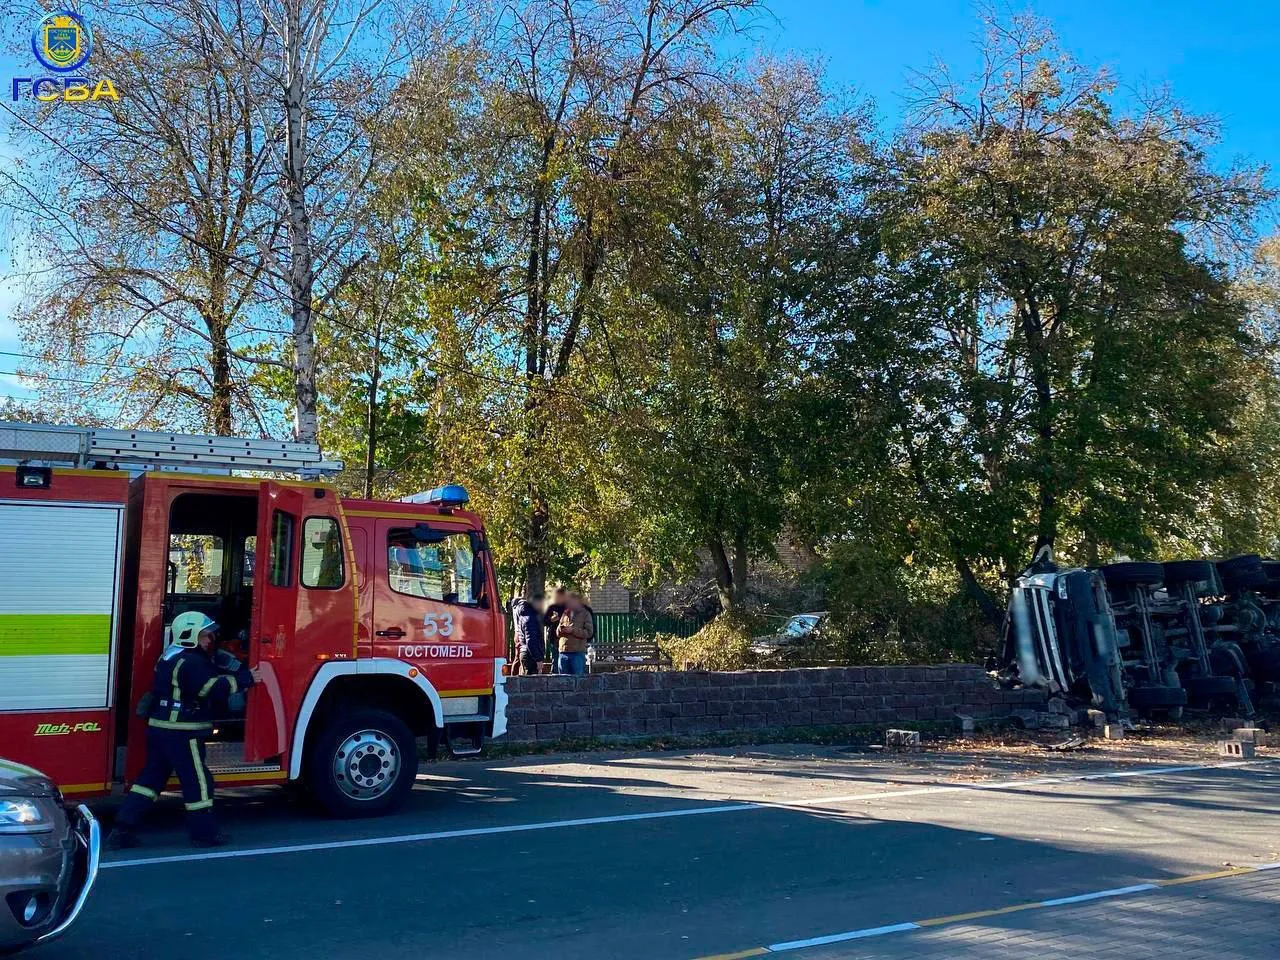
62, 42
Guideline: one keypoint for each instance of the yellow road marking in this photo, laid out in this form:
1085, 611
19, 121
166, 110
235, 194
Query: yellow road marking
976, 915
934, 922
1177, 881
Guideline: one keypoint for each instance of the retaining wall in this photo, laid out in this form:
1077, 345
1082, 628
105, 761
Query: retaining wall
641, 703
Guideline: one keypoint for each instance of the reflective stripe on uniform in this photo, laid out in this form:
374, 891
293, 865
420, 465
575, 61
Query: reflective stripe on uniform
199, 805
199, 765
208, 687
177, 692
143, 791
179, 724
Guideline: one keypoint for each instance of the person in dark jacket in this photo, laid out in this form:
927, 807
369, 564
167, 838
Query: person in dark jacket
187, 688
551, 621
528, 635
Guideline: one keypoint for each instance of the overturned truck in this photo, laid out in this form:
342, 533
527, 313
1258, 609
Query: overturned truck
1146, 638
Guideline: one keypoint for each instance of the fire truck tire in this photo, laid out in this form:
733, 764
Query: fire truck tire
363, 763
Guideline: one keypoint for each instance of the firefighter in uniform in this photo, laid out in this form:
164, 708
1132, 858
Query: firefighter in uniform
187, 687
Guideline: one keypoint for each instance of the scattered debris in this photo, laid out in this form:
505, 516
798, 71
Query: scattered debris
1236, 749
1113, 731
1254, 735
905, 741
1075, 743
1229, 724
965, 724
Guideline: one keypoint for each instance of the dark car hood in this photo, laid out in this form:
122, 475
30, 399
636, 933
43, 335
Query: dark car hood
18, 780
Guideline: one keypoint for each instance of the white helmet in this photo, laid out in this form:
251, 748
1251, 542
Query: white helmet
186, 628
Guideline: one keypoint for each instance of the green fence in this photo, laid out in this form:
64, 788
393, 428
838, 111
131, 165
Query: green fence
621, 627
618, 627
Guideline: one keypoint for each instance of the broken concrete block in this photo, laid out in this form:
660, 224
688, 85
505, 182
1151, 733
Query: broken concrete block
1030, 719
1254, 735
965, 724
902, 740
1096, 719
1236, 749
1231, 723
1058, 706
1113, 731
1055, 721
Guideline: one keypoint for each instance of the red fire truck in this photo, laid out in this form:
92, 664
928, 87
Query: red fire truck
373, 622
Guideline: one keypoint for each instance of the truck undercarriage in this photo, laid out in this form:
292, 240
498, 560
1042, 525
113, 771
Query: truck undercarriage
1147, 638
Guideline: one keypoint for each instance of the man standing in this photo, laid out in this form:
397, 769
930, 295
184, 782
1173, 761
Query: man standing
528, 635
551, 620
186, 688
576, 631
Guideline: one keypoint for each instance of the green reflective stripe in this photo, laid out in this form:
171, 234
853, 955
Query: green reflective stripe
235, 685
179, 724
48, 634
199, 765
177, 691
143, 791
199, 805
204, 691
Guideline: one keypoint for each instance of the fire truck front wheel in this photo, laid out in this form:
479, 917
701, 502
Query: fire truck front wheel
363, 763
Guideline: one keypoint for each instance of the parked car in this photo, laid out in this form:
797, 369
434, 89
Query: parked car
799, 630
48, 858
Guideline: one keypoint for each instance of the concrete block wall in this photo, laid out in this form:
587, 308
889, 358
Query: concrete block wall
643, 703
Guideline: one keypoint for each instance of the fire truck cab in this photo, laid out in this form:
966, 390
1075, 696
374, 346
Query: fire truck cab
374, 623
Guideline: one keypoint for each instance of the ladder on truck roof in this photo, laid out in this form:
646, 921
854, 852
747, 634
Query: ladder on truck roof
148, 450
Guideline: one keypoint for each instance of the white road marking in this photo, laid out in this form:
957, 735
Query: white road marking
841, 937
665, 814
881, 931
423, 837
1100, 895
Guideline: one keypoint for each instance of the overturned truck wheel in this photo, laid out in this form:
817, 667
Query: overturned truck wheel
1133, 574
1195, 572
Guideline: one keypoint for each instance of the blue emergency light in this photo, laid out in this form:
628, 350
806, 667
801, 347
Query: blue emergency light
450, 495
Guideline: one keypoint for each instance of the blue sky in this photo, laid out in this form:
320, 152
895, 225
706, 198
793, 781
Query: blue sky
1221, 59
1217, 58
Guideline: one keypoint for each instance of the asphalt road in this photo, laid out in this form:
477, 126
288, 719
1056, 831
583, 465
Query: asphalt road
674, 856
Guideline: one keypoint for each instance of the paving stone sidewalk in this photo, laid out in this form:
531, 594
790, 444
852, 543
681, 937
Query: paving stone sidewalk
1236, 918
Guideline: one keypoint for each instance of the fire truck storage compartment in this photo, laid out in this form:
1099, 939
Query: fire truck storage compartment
210, 565
58, 595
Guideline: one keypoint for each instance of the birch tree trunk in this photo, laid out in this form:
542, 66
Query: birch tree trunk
301, 276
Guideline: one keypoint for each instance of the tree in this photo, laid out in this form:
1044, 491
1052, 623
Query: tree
583, 84
1239, 511
1076, 352
328, 72
152, 210
759, 230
